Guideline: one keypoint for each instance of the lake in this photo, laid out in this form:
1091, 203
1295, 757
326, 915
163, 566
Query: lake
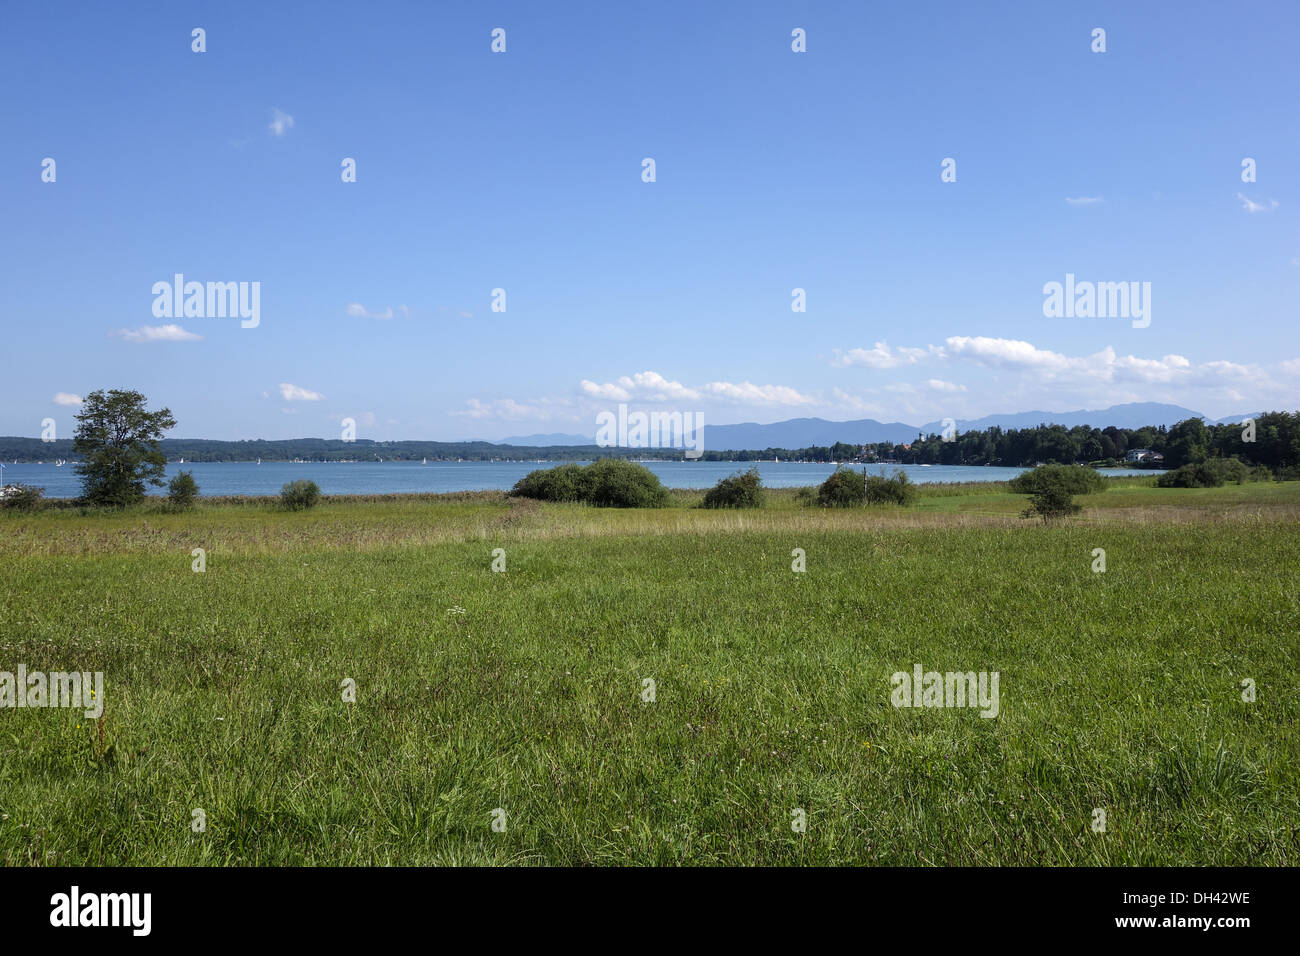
407, 477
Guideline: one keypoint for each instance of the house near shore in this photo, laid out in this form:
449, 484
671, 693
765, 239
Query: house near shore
1143, 454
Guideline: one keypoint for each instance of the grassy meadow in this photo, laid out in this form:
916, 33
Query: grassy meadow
522, 691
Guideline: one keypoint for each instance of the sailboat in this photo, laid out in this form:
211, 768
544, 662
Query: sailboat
425, 462
259, 461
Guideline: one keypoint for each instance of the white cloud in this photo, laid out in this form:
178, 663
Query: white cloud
281, 122
653, 387
750, 394
881, 356
507, 409
157, 333
608, 390
1223, 369
1003, 352
66, 398
358, 311
1084, 200
1250, 205
643, 386
1105, 365
1020, 375
296, 393
646, 387
939, 385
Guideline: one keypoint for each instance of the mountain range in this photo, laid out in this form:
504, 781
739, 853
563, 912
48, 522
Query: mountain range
805, 432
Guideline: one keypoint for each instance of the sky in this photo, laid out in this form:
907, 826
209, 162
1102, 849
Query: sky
523, 171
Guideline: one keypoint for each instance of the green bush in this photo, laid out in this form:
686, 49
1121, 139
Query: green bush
299, 495
897, 489
1054, 501
607, 483
1211, 473
741, 490
843, 489
22, 497
1071, 479
562, 483
182, 490
617, 483
846, 488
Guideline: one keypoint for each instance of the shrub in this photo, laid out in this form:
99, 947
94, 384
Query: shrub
741, 490
300, 494
846, 488
563, 483
1211, 473
182, 490
21, 497
607, 483
896, 489
843, 489
617, 483
1072, 479
1052, 502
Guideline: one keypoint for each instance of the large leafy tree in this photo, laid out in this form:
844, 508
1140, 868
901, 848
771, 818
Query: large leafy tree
1188, 443
117, 441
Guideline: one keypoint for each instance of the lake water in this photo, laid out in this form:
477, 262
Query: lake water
406, 477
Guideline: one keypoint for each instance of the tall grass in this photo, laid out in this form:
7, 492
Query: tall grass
523, 690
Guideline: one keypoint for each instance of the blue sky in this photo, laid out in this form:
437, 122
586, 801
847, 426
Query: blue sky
523, 170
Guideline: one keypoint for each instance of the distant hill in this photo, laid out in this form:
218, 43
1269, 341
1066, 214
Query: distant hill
806, 432
1234, 419
1131, 415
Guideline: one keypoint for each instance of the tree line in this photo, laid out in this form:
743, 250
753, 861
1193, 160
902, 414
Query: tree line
325, 449
1272, 440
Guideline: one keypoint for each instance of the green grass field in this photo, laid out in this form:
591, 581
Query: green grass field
522, 690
